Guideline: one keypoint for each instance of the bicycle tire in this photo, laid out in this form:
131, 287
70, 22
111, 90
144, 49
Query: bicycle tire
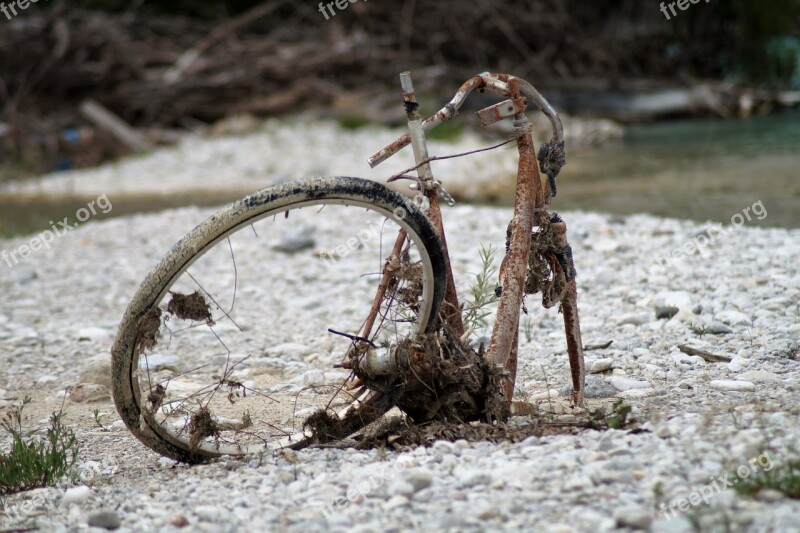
131, 343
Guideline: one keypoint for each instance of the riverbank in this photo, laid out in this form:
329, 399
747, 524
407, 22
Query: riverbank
698, 421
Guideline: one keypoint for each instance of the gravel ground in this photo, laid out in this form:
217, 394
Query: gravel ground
265, 153
701, 426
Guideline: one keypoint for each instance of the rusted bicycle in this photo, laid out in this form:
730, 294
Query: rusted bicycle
250, 335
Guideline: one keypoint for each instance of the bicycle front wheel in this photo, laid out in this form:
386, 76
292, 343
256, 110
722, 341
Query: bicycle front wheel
234, 339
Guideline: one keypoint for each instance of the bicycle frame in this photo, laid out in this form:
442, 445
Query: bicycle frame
530, 210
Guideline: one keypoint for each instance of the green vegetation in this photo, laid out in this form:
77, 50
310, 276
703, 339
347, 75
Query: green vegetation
35, 462
482, 292
784, 478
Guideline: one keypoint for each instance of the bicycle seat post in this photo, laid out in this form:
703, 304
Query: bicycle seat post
418, 142
429, 188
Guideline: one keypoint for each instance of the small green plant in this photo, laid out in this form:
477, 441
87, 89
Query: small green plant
619, 418
699, 329
97, 418
482, 292
620, 415
784, 478
527, 328
35, 462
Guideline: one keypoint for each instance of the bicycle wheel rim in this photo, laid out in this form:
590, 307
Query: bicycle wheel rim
350, 192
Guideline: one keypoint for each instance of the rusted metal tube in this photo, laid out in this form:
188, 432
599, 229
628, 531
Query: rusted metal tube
502, 347
572, 326
451, 309
447, 112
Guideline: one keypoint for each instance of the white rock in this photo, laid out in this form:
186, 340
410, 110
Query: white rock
680, 299
289, 350
472, 477
207, 513
604, 245
635, 394
622, 383
635, 319
401, 488
396, 501
418, 478
94, 334
735, 365
599, 365
155, 362
732, 385
76, 495
732, 318
634, 517
759, 376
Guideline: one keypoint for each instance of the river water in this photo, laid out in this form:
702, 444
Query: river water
697, 169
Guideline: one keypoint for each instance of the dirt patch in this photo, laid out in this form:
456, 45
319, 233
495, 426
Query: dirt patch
190, 307
399, 432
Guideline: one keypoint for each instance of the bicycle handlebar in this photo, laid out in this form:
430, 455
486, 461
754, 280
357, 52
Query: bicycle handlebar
487, 80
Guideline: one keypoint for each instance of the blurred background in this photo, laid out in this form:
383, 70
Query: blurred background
691, 114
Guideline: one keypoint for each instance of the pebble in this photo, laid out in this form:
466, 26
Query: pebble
471, 478
294, 244
680, 299
89, 392
599, 365
637, 394
104, 519
730, 385
718, 329
622, 383
94, 334
759, 376
666, 311
732, 318
400, 487
419, 479
595, 388
396, 501
634, 517
609, 477
637, 319
76, 495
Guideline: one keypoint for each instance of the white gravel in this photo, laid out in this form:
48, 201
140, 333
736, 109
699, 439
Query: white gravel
280, 150
699, 421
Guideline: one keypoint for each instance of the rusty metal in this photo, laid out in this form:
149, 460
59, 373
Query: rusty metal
572, 326
530, 209
446, 113
497, 112
386, 277
451, 308
503, 345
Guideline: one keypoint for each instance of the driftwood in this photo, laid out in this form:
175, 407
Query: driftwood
282, 57
709, 357
112, 124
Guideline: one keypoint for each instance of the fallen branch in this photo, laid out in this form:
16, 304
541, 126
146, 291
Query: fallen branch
112, 124
708, 356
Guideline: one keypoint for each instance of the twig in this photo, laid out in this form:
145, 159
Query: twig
601, 346
709, 357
